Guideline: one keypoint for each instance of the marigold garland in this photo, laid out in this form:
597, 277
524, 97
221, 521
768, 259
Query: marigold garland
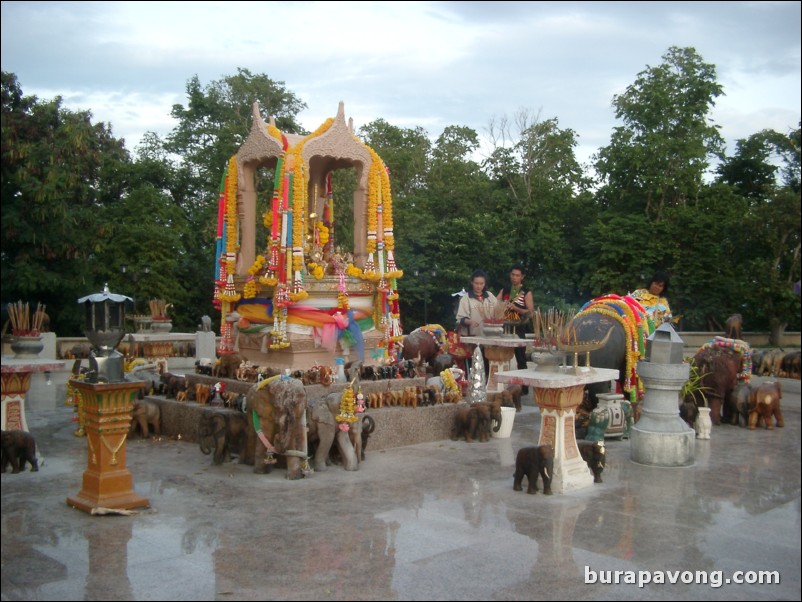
740, 347
231, 214
347, 413
449, 382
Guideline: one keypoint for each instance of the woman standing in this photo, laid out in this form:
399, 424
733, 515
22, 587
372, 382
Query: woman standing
477, 305
653, 299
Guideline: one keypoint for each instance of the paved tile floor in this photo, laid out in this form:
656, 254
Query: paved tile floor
435, 521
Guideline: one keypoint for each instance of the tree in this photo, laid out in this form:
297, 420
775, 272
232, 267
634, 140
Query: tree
59, 170
657, 159
547, 206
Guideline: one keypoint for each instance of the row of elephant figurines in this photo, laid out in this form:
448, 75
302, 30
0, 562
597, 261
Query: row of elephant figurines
237, 366
747, 405
538, 461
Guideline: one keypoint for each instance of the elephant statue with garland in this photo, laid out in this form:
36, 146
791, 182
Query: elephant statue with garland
324, 431
276, 410
718, 369
225, 431
594, 326
425, 345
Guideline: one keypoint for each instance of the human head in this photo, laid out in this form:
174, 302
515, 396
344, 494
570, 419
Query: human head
479, 276
659, 277
517, 273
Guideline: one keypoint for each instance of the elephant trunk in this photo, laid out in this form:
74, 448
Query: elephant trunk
204, 444
498, 424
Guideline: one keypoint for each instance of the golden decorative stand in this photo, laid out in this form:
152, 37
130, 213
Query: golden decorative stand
107, 483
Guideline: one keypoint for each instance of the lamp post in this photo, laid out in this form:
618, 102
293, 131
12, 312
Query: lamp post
139, 323
425, 280
107, 403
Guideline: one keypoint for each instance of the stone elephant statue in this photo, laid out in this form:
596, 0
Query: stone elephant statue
594, 454
144, 414
764, 404
276, 410
227, 365
531, 462
225, 431
718, 369
323, 431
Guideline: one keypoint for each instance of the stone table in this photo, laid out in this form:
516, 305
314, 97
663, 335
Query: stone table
16, 380
557, 395
498, 351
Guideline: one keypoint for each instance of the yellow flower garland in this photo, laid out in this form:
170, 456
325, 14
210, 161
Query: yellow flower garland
231, 214
449, 382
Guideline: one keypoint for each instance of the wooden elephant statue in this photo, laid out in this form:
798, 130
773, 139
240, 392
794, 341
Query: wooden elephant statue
324, 431
225, 432
276, 410
718, 369
227, 365
425, 345
488, 412
466, 422
593, 453
764, 404
144, 414
17, 448
531, 462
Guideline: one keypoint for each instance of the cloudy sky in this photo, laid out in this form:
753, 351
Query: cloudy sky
428, 64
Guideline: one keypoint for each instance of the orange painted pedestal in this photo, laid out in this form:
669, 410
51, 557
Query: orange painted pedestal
107, 483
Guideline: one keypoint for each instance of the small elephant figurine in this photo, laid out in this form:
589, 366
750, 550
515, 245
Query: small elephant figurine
531, 462
18, 448
466, 422
740, 397
145, 413
226, 431
593, 453
764, 402
227, 365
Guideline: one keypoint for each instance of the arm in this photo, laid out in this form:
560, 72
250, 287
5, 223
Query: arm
464, 313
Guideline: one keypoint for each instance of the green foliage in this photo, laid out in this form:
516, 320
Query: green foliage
75, 206
657, 159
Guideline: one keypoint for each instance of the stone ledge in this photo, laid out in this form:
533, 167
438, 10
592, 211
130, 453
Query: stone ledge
395, 426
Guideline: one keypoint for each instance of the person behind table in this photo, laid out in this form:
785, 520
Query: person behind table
477, 305
653, 298
519, 308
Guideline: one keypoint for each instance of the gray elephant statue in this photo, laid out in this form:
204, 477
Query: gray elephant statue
593, 453
531, 462
324, 431
226, 432
276, 410
17, 448
144, 414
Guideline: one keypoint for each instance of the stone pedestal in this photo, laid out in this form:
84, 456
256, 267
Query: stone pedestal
499, 350
16, 381
661, 437
558, 394
107, 483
